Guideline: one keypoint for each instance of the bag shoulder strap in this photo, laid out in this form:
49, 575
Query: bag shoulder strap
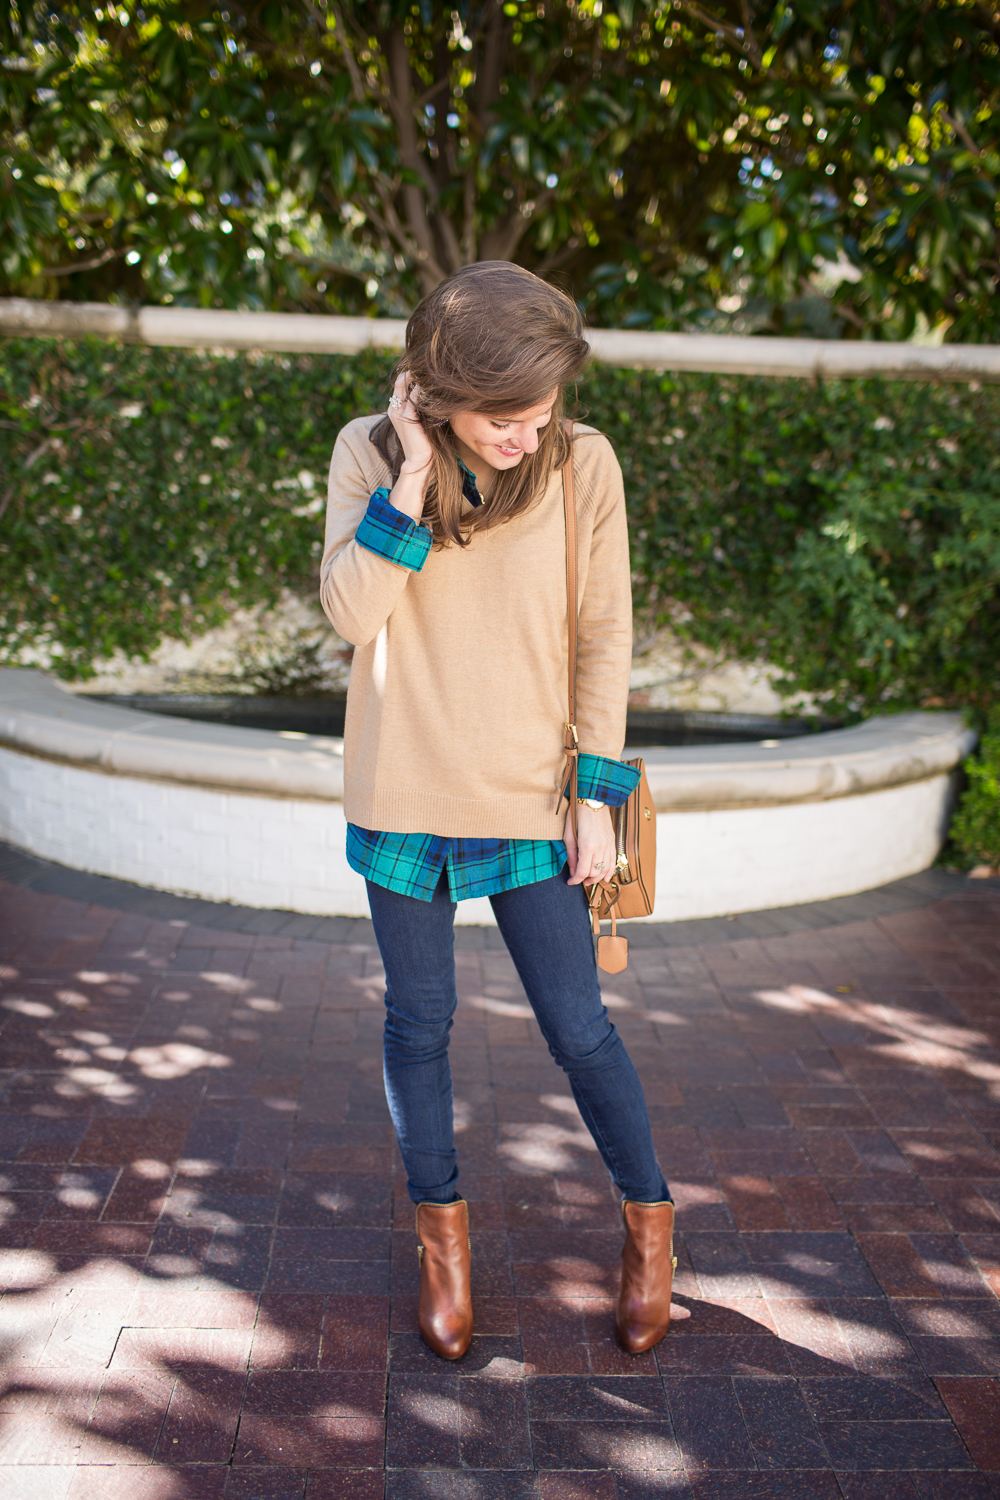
612, 952
571, 739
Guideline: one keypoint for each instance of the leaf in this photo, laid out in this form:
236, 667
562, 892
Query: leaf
754, 216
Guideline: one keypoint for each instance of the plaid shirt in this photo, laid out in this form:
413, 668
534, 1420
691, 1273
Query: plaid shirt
411, 863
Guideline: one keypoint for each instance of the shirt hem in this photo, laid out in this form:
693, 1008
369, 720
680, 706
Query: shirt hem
510, 882
504, 883
401, 887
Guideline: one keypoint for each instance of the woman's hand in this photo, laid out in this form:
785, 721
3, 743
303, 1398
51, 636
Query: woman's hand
410, 488
595, 857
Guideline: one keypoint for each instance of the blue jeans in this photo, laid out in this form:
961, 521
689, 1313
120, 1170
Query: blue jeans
546, 928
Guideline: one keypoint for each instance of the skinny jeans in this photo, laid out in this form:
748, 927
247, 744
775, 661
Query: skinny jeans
546, 928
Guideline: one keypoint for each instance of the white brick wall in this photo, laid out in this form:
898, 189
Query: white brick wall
254, 850
270, 852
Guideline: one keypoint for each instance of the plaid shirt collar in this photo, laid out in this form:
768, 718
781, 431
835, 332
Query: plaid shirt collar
469, 489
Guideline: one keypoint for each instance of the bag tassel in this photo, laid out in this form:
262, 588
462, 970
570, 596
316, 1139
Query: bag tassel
612, 952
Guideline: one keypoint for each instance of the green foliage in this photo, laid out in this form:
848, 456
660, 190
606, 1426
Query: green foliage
975, 829
150, 491
849, 532
659, 158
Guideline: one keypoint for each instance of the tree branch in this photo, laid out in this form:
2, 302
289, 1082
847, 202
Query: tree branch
746, 43
500, 243
962, 133
469, 217
558, 257
333, 266
353, 71
84, 265
393, 233
400, 103
748, 31
960, 130
490, 71
431, 93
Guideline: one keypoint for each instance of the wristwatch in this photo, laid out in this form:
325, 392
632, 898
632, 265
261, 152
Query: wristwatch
591, 802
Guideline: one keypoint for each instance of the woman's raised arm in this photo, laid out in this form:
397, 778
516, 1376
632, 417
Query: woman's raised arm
371, 547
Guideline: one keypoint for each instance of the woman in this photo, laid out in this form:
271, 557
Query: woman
445, 565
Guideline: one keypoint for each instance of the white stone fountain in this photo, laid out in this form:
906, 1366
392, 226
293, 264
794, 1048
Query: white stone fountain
256, 816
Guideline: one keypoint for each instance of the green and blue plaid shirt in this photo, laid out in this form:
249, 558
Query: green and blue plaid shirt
412, 863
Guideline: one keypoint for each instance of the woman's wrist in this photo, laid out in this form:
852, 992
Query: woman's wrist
410, 489
417, 465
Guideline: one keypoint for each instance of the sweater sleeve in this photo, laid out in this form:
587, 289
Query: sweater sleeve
363, 572
604, 659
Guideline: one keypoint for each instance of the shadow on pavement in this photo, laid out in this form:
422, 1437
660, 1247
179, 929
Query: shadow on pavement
208, 1271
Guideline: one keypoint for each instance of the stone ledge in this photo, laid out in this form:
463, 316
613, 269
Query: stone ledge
892, 750
41, 718
301, 333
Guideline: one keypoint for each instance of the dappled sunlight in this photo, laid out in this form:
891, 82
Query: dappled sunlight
971, 1321
564, 1104
266, 1439
368, 989
542, 1147
27, 1007
440, 1411
572, 1277
640, 1450
89, 1381
689, 1194
175, 1060
210, 1259
78, 1083
495, 1007
92, 1061
463, 1113
226, 984
897, 1031
185, 1207
616, 1002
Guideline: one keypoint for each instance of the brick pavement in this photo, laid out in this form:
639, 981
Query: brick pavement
209, 1274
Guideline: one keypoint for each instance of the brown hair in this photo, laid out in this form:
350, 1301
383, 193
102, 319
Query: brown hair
495, 340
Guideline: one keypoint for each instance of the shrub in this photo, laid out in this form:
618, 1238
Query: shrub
975, 829
150, 491
849, 532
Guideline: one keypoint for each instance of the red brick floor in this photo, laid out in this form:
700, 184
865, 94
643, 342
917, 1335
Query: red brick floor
208, 1274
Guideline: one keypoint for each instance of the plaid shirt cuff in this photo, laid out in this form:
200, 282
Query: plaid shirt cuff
389, 534
605, 780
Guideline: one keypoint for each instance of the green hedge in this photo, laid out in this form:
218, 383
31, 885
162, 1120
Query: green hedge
849, 532
975, 829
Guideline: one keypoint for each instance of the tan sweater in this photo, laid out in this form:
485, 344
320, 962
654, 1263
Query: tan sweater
457, 697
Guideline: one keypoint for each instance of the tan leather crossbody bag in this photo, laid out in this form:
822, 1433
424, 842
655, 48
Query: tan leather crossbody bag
630, 891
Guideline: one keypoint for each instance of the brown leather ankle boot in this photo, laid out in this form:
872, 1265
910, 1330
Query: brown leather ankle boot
648, 1264
445, 1316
